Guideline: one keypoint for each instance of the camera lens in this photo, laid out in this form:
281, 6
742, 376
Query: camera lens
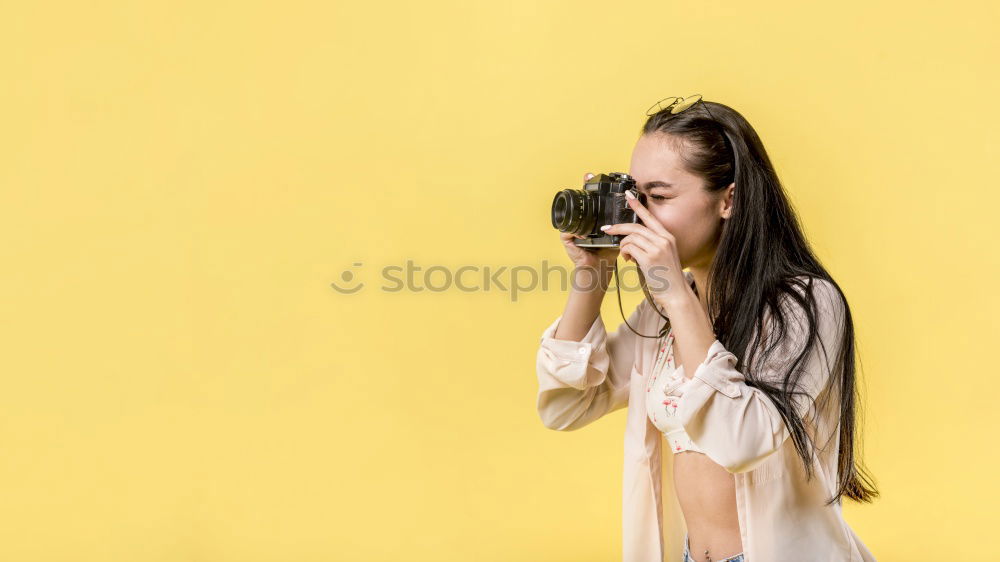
573, 210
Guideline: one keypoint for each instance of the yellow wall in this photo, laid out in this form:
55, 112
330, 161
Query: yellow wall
182, 181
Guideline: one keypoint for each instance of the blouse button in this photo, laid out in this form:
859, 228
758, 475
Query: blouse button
582, 350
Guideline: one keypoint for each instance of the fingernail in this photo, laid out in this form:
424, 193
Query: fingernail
629, 195
605, 227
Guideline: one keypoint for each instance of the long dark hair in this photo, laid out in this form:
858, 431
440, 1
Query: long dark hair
761, 255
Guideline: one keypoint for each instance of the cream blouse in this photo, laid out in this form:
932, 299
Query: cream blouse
782, 517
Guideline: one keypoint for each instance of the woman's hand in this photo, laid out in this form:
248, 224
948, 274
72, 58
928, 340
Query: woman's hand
597, 259
654, 248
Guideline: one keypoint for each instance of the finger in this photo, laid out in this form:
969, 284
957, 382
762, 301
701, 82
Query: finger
639, 255
629, 228
647, 218
587, 176
647, 246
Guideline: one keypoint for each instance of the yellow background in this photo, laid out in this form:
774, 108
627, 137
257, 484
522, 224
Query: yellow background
182, 181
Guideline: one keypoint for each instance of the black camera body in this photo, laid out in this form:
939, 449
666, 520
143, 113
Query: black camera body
600, 202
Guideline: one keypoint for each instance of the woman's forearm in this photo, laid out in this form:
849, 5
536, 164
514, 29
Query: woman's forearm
693, 334
584, 304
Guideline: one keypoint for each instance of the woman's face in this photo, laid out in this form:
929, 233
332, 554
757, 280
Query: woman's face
693, 215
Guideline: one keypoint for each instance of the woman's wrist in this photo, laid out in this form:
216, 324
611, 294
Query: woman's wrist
587, 278
679, 300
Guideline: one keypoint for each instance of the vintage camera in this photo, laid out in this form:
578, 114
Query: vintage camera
600, 202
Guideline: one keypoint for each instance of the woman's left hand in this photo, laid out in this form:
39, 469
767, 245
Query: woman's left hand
654, 248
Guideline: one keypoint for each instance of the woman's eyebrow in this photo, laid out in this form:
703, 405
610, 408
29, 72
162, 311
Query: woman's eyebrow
657, 183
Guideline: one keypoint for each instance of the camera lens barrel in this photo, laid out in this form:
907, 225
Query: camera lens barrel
574, 211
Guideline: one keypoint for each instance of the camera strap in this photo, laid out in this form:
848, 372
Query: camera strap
666, 325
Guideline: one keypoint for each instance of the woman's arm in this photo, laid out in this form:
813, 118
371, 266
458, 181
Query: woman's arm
584, 373
737, 425
584, 304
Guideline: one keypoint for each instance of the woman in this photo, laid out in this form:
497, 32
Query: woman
745, 363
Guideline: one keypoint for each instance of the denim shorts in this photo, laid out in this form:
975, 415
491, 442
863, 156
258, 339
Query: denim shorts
687, 555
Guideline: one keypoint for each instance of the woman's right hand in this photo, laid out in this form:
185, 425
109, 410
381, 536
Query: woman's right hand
597, 258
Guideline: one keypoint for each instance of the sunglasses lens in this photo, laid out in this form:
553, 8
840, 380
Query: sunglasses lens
661, 105
685, 103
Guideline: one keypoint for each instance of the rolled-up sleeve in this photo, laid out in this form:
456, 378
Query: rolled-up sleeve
738, 425
581, 381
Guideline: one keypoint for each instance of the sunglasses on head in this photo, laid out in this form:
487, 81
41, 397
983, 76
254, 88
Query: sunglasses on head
674, 104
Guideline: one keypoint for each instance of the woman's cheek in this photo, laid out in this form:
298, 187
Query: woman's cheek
664, 218
671, 223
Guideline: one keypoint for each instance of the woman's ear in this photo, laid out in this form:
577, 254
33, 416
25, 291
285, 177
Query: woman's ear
726, 209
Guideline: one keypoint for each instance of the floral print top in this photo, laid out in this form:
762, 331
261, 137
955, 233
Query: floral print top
663, 396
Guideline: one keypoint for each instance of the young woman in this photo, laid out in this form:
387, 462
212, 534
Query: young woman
745, 363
